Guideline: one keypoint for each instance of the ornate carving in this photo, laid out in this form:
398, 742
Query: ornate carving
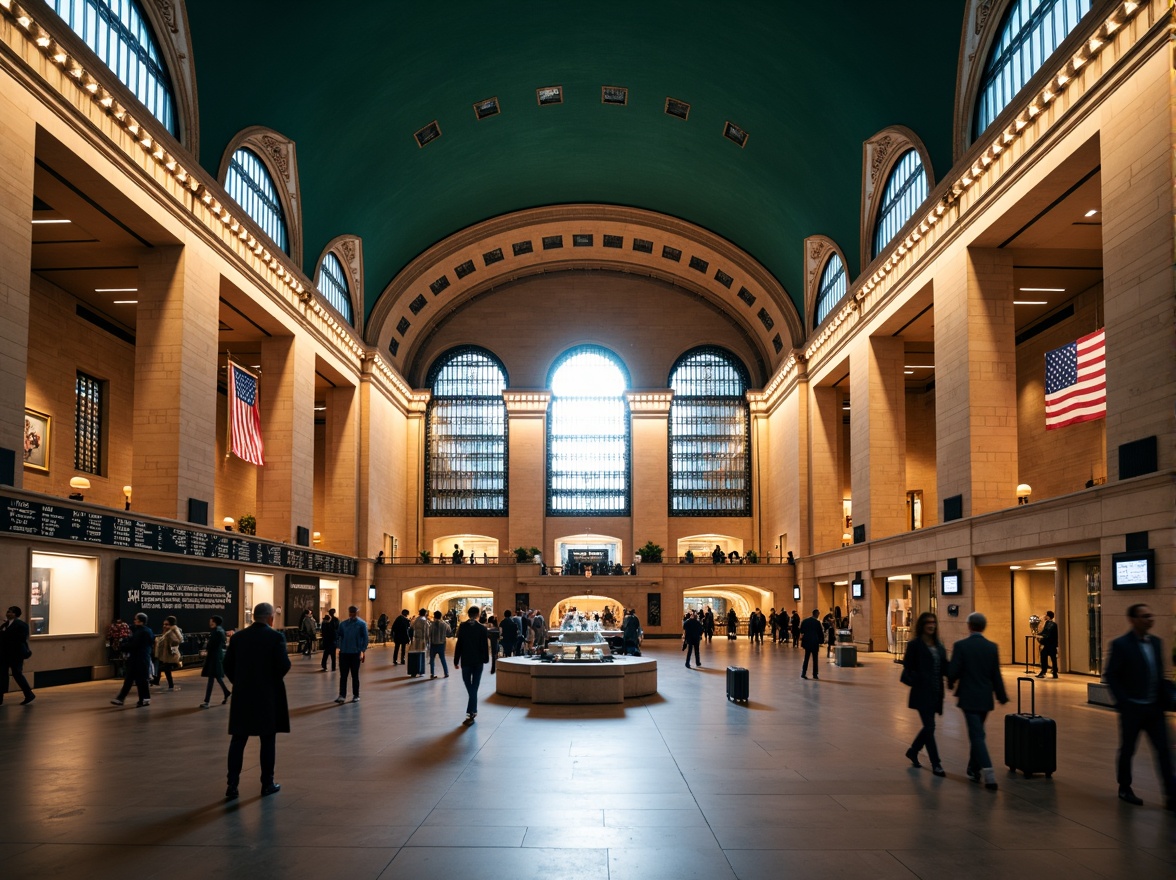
279, 152
880, 149
170, 14
348, 248
983, 10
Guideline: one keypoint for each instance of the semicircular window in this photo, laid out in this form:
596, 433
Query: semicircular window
906, 189
588, 438
119, 34
1031, 32
250, 184
831, 288
465, 435
710, 439
332, 283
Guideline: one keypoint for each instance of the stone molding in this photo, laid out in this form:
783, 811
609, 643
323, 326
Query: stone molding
880, 154
349, 251
277, 153
818, 249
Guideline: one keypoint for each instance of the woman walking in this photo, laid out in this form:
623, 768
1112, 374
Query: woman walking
923, 669
732, 625
214, 669
167, 652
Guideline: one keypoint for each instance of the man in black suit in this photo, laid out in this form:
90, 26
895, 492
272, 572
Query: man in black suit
471, 652
1135, 674
14, 650
811, 637
256, 663
138, 647
975, 665
692, 636
330, 631
1049, 645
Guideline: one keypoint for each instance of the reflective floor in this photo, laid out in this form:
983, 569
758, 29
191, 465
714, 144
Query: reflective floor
807, 780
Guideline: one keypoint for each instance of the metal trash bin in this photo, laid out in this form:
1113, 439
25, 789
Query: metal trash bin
845, 655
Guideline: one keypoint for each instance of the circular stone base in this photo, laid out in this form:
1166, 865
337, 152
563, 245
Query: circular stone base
624, 677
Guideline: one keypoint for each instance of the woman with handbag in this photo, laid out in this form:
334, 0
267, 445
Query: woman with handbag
924, 667
167, 652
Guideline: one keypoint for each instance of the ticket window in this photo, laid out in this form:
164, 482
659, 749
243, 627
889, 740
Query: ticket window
328, 596
258, 588
63, 595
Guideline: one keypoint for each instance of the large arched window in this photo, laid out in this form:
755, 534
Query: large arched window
831, 288
250, 184
118, 32
332, 283
1031, 31
465, 428
588, 435
906, 189
710, 448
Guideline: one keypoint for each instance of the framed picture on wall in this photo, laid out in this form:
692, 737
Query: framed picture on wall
36, 441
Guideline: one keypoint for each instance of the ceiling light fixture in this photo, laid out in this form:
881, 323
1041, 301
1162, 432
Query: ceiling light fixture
49, 222
918, 366
1042, 289
125, 302
1091, 212
1030, 302
116, 290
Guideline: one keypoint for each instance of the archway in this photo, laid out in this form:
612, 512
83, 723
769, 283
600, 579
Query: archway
443, 597
588, 605
476, 549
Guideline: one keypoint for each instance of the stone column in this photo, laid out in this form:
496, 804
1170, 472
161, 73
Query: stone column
285, 484
526, 413
649, 414
339, 514
877, 423
976, 382
174, 430
17, 155
828, 525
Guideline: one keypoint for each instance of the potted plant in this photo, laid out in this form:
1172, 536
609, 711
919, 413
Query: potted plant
651, 552
426, 557
247, 524
751, 557
522, 554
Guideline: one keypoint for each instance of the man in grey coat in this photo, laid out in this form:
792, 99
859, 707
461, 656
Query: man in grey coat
975, 666
256, 663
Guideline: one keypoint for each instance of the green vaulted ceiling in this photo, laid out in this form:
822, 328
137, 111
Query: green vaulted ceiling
351, 82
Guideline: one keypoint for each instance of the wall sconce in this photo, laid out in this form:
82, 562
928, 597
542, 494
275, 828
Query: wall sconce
372, 593
79, 485
127, 495
1024, 490
228, 523
317, 537
846, 539
796, 593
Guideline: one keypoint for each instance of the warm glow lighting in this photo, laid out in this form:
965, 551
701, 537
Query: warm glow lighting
116, 290
919, 366
125, 302
79, 483
1042, 289
1014, 568
1091, 212
48, 222
1029, 302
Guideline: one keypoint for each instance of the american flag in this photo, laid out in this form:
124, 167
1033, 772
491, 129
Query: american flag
244, 416
1076, 381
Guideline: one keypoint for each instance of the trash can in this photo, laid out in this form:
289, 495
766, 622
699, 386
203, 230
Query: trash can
844, 636
845, 655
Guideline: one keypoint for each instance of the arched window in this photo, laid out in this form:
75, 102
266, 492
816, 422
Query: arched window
118, 32
1031, 31
465, 436
906, 189
710, 440
832, 287
250, 184
588, 435
332, 283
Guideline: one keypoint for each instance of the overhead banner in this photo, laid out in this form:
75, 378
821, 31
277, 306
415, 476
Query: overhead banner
192, 593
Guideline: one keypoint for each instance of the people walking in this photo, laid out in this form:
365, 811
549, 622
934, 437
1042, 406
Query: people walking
137, 646
382, 626
811, 636
167, 653
256, 662
330, 634
539, 632
214, 660
353, 643
827, 627
924, 667
14, 650
975, 672
631, 631
418, 647
732, 625
307, 632
1135, 674
509, 633
471, 652
1049, 645
708, 625
794, 625
692, 636
491, 625
401, 636
439, 631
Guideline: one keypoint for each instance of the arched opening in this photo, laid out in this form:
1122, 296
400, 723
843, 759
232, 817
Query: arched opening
724, 598
701, 548
575, 553
445, 598
465, 549
586, 608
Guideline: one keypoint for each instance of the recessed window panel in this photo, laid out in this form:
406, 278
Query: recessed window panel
588, 439
710, 436
88, 407
906, 190
120, 35
334, 288
831, 288
466, 436
250, 185
1031, 32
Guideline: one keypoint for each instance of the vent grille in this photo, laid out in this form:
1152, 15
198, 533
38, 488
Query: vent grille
466, 268
777, 343
614, 241
492, 257
428, 134
417, 304
439, 285
614, 95
670, 253
734, 134
403, 326
522, 247
581, 240
699, 265
679, 109
546, 95
747, 296
765, 319
552, 242
642, 246
723, 278
393, 347
487, 108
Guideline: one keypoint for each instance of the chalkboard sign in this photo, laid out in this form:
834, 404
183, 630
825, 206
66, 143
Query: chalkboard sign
61, 522
192, 593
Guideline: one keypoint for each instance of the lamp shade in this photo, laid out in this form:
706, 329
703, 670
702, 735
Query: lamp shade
228, 521
1024, 490
79, 483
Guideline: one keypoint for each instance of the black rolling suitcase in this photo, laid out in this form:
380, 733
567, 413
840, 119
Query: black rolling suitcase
416, 663
1031, 740
737, 684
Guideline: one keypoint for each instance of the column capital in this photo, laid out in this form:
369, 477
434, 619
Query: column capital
526, 403
649, 404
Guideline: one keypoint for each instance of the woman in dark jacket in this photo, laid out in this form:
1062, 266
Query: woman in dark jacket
214, 661
924, 667
732, 625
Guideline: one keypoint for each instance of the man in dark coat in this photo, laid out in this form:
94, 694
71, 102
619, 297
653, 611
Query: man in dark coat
256, 663
14, 649
1049, 645
794, 625
471, 652
631, 630
692, 634
214, 660
1135, 674
401, 636
975, 665
138, 647
811, 637
330, 632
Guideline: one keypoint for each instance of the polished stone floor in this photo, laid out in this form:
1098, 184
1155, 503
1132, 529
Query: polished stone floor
807, 780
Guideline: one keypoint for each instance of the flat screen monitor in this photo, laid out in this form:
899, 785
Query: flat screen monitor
1133, 570
857, 589
951, 582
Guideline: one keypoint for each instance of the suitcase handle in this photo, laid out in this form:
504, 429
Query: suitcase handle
1032, 695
